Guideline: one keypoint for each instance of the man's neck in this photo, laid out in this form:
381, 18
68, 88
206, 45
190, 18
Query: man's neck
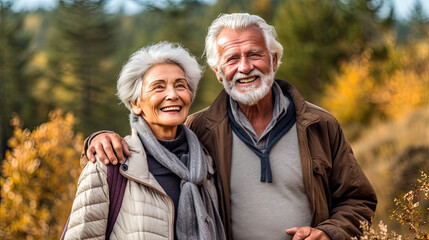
260, 114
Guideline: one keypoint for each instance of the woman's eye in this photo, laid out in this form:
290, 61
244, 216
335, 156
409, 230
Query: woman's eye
181, 85
158, 87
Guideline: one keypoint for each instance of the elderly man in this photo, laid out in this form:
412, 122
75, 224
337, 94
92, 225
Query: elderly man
284, 168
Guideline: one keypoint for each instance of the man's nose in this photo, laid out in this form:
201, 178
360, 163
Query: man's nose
246, 65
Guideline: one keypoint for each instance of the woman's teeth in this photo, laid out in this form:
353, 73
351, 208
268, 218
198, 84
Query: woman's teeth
173, 108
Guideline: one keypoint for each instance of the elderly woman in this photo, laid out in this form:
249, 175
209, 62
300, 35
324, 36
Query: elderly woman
169, 192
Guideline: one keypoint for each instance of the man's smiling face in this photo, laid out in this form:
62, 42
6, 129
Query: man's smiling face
246, 68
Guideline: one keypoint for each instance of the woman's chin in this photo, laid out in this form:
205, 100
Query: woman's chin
173, 122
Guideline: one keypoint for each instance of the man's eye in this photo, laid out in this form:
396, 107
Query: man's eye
233, 59
255, 55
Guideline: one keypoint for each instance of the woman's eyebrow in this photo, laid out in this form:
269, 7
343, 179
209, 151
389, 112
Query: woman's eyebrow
157, 81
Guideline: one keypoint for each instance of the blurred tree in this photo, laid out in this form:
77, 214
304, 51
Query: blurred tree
83, 72
209, 85
184, 22
318, 35
225, 6
264, 9
40, 175
416, 27
382, 104
418, 23
349, 97
367, 90
16, 82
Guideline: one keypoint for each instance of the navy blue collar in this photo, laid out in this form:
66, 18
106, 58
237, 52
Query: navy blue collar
281, 128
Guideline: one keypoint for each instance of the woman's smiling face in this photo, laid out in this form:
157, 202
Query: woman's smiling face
165, 99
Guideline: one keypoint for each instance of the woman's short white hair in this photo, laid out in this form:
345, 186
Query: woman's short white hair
237, 21
130, 80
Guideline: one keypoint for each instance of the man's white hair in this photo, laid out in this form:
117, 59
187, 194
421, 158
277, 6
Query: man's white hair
237, 21
130, 80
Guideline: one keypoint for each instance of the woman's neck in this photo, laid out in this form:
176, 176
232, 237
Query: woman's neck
164, 133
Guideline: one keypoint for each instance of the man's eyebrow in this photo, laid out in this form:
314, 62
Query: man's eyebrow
255, 50
229, 55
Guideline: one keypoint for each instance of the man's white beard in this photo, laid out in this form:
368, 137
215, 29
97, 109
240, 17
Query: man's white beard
252, 94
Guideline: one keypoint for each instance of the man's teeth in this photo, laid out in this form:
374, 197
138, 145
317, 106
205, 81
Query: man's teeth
247, 80
175, 108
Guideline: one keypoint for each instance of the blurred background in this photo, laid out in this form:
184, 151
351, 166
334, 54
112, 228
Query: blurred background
365, 61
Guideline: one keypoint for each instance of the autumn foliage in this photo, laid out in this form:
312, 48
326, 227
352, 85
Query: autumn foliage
382, 105
39, 176
367, 89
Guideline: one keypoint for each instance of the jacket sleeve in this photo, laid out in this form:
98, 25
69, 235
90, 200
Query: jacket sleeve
351, 197
88, 217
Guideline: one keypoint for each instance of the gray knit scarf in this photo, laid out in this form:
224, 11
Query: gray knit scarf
197, 217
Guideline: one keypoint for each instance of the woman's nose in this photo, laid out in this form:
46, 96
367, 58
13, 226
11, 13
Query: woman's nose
172, 94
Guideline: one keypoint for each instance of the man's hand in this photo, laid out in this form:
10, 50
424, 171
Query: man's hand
109, 147
308, 233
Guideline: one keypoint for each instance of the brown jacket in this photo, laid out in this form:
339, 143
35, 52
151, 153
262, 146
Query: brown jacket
339, 193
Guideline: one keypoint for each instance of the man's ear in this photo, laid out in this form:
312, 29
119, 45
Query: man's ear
219, 77
275, 63
136, 109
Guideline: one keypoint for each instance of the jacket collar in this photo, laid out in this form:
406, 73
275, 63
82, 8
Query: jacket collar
217, 111
303, 116
138, 169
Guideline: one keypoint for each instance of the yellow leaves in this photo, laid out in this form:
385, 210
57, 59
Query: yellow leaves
366, 88
32, 21
402, 93
40, 60
40, 173
349, 98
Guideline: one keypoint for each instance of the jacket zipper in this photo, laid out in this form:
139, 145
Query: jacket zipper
160, 192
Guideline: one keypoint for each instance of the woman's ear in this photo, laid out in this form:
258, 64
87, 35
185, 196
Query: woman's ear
136, 109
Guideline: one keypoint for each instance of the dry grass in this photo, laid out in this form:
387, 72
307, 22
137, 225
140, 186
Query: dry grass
391, 155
